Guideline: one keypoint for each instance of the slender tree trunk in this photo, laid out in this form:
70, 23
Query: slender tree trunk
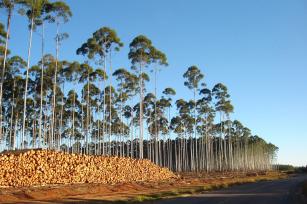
73, 118
103, 107
132, 132
15, 129
141, 114
98, 133
110, 90
87, 112
155, 118
12, 114
54, 87
195, 134
4, 64
42, 84
61, 119
26, 85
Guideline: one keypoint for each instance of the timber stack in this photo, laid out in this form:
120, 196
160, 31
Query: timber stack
43, 167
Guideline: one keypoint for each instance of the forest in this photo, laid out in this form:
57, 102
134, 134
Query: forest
114, 113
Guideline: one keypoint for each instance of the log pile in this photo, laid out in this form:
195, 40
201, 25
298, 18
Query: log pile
42, 167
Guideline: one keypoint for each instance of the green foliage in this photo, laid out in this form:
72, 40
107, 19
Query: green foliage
221, 96
193, 76
102, 42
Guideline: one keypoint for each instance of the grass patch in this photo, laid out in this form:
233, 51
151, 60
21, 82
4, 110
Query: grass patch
156, 196
142, 198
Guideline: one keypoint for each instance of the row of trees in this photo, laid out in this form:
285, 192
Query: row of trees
42, 105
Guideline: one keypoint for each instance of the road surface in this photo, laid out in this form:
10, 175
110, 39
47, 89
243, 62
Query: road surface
265, 192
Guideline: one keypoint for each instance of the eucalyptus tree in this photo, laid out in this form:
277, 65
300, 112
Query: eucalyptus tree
2, 52
237, 138
168, 93
45, 16
102, 43
72, 75
183, 126
193, 76
9, 6
33, 10
55, 76
70, 124
161, 123
62, 78
110, 112
33, 92
142, 53
148, 110
46, 90
60, 13
224, 107
127, 85
159, 58
37, 12
158, 123
91, 94
73, 124
2, 40
12, 95
139, 111
100, 75
206, 115
127, 88
87, 75
246, 135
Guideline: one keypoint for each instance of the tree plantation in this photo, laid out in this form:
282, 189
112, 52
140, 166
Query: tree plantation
114, 113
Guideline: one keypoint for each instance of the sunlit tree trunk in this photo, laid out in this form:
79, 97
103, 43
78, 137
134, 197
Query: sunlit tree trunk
4, 64
26, 85
41, 91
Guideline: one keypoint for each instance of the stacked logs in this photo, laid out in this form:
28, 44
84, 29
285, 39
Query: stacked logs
42, 167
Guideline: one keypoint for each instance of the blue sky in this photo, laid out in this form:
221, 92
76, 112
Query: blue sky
258, 48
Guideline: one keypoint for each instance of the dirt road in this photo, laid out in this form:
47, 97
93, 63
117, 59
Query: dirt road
266, 192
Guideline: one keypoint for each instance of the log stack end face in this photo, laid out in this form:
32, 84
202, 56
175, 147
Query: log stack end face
41, 167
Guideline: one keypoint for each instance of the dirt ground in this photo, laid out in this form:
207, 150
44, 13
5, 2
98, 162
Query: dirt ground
104, 193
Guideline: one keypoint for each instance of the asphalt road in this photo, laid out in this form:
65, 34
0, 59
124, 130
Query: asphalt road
266, 192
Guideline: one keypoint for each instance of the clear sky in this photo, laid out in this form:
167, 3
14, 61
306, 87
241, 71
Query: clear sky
258, 48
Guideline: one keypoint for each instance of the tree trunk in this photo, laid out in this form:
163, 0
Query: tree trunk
4, 64
54, 88
41, 91
141, 114
26, 85
110, 90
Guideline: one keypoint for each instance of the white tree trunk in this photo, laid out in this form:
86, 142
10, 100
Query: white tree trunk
26, 85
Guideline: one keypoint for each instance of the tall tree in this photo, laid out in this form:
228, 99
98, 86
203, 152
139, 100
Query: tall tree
44, 17
102, 43
7, 5
193, 76
224, 107
141, 55
168, 94
61, 14
33, 10
12, 96
159, 58
206, 115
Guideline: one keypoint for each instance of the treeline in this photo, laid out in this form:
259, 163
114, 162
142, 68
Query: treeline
41, 106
